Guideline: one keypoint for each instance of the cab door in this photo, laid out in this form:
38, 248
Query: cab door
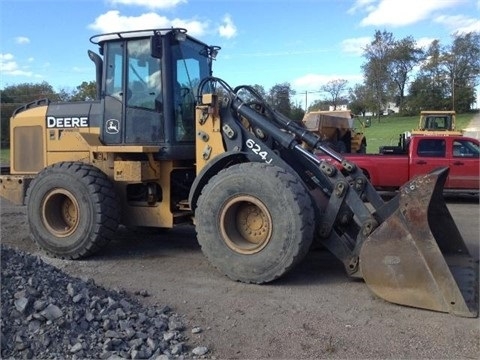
133, 98
144, 104
430, 154
464, 165
114, 93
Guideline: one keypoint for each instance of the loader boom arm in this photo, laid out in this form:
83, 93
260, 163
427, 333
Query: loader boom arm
355, 223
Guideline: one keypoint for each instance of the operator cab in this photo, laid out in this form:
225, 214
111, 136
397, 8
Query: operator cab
148, 82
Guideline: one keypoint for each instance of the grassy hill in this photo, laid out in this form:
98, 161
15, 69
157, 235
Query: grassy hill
387, 131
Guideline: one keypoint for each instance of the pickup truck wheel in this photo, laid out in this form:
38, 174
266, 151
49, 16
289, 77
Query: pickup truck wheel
254, 222
72, 210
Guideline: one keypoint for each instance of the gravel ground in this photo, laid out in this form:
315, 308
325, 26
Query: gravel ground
40, 322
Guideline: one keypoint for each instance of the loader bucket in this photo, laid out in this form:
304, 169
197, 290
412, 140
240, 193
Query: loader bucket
417, 256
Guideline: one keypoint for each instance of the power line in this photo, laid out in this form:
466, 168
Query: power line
306, 92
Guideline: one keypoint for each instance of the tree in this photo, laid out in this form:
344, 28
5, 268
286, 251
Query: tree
247, 96
297, 113
403, 57
462, 68
448, 76
429, 90
15, 96
279, 98
335, 89
361, 99
376, 69
423, 95
321, 105
85, 91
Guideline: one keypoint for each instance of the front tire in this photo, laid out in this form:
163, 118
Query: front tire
72, 210
254, 222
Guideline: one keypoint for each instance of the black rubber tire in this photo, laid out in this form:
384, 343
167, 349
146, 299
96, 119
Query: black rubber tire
260, 201
341, 147
72, 210
363, 147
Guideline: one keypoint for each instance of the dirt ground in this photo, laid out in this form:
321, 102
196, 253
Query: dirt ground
314, 312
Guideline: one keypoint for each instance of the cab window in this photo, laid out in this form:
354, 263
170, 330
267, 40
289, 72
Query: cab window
465, 149
144, 80
114, 71
431, 148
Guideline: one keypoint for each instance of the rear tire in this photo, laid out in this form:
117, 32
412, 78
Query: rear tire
72, 210
254, 222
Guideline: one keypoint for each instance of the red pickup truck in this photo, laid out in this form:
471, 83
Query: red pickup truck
415, 155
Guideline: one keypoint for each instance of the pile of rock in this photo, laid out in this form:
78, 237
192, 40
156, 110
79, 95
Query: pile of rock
47, 314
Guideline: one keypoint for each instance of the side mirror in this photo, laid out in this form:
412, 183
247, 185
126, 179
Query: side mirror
156, 46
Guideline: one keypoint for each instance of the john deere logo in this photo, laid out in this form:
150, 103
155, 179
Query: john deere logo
67, 122
113, 126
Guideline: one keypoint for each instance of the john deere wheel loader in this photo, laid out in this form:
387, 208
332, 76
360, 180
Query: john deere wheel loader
165, 143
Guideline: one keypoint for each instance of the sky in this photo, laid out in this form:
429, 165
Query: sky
266, 42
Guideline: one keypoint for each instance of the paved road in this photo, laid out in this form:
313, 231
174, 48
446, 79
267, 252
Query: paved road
473, 128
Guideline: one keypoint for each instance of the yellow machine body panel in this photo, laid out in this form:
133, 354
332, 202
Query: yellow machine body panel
208, 132
27, 141
333, 126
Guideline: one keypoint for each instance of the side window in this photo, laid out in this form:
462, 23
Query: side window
431, 148
185, 88
144, 80
465, 148
190, 66
114, 71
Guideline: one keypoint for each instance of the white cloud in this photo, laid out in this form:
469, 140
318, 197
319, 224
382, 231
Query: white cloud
459, 23
113, 21
355, 46
228, 28
22, 40
362, 5
424, 42
195, 28
150, 4
9, 67
6, 57
399, 13
313, 82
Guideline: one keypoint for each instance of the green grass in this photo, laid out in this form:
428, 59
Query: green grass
387, 131
4, 156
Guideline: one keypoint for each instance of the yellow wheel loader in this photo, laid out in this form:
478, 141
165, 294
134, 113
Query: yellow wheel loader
166, 143
433, 122
336, 129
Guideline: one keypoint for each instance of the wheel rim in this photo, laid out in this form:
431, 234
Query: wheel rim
60, 213
245, 224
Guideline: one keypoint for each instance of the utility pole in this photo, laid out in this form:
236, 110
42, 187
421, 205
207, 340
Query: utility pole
453, 91
306, 92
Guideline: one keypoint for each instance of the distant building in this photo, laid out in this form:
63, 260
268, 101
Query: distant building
342, 107
390, 108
